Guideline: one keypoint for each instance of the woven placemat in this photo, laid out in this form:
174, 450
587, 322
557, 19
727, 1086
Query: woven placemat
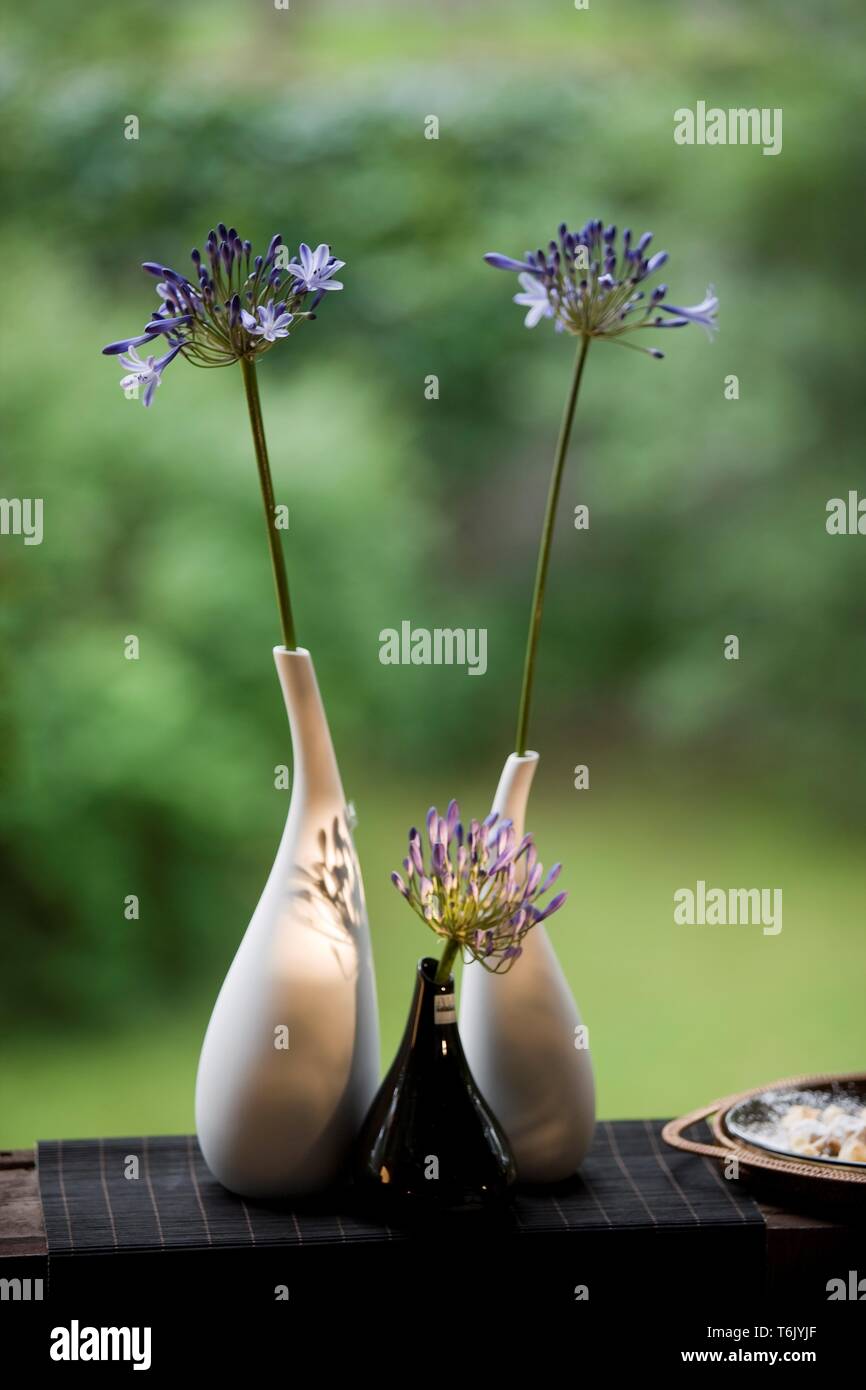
143, 1194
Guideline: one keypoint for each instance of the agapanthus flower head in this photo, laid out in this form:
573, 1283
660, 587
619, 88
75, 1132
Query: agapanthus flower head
593, 285
233, 305
476, 886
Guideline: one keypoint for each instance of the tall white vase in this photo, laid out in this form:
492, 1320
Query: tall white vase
519, 1032
290, 1060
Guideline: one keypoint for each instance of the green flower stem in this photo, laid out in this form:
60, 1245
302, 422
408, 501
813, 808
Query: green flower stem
544, 549
445, 965
251, 386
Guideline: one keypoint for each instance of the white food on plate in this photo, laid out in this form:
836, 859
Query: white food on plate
831, 1132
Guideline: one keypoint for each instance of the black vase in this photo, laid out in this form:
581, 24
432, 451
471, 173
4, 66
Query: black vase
430, 1143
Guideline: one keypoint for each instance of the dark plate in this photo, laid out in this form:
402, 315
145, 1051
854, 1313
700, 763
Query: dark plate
753, 1121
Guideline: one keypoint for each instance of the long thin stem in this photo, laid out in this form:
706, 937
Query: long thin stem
251, 386
443, 970
544, 548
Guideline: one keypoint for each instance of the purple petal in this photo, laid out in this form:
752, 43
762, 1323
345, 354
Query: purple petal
552, 907
114, 348
163, 325
550, 879
169, 356
507, 262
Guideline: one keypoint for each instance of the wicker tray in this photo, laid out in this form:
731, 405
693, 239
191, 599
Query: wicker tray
790, 1181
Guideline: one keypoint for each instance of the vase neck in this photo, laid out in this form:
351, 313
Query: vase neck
512, 794
432, 1016
315, 765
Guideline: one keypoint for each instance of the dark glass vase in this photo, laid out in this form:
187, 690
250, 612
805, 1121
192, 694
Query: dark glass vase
430, 1143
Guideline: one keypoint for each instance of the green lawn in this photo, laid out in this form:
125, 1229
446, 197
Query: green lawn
677, 1015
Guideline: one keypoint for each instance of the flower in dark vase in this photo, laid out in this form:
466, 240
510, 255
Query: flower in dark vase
480, 889
430, 1144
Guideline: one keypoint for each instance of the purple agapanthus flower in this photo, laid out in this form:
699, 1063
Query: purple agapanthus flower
316, 268
146, 373
480, 888
273, 322
703, 313
593, 289
535, 298
233, 306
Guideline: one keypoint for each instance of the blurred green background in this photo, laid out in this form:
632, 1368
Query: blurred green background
156, 777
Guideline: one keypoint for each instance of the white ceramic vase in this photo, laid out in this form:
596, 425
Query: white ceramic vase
519, 1031
290, 1060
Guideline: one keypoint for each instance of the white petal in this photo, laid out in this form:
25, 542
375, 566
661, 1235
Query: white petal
531, 285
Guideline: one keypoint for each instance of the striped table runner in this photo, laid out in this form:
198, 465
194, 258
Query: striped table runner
146, 1194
